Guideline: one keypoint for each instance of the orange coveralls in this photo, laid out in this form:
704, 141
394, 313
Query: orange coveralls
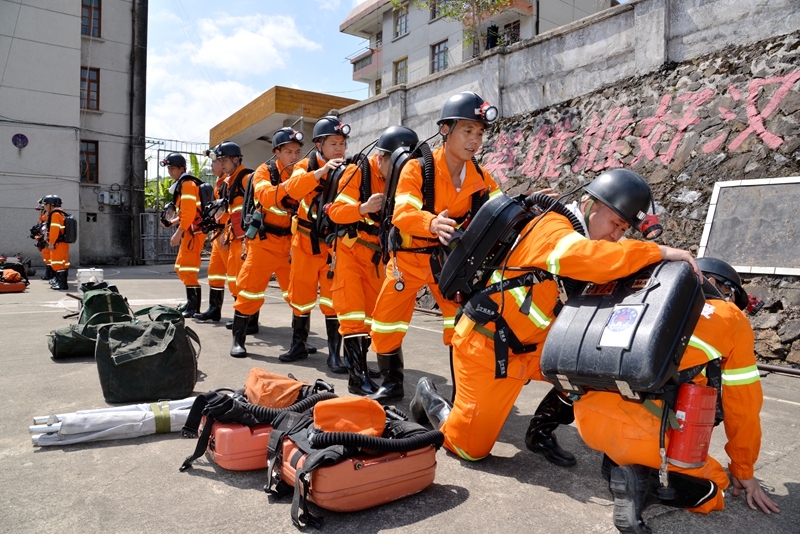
482, 403
308, 270
357, 279
269, 255
187, 264
59, 256
218, 263
45, 251
394, 308
629, 434
236, 247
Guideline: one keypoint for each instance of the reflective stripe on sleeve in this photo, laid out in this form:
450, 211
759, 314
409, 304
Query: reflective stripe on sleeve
408, 198
554, 259
740, 377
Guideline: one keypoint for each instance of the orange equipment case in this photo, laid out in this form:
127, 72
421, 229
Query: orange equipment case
238, 447
363, 481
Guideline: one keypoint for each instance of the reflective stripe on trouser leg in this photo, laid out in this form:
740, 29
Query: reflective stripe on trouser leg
263, 258
187, 264
309, 272
235, 262
482, 403
631, 436
393, 312
59, 257
355, 288
217, 266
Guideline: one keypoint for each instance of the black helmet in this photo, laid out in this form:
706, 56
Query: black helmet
53, 200
330, 125
727, 275
625, 192
173, 160
286, 135
227, 148
394, 137
468, 106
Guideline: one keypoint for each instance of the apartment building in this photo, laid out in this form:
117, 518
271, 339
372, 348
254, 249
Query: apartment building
72, 88
409, 43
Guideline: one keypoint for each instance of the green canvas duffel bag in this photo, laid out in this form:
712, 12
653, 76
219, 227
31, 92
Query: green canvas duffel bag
148, 361
78, 340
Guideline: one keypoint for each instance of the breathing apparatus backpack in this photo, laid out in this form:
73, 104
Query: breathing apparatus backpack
70, 233
390, 237
237, 188
253, 222
323, 225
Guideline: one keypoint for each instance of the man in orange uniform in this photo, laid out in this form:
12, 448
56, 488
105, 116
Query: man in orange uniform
484, 394
218, 263
186, 199
628, 433
310, 253
59, 249
269, 240
229, 155
460, 186
358, 275
40, 241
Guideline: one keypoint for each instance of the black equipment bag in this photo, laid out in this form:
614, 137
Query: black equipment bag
484, 243
147, 361
628, 335
482, 247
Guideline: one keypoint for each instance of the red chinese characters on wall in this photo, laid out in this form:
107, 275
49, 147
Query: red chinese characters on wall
602, 143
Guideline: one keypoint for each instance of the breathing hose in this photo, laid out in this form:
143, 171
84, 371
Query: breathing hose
382, 445
267, 415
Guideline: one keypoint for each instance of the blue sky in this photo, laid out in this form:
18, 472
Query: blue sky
207, 59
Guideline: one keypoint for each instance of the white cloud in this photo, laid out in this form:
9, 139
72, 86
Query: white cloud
242, 45
193, 86
330, 5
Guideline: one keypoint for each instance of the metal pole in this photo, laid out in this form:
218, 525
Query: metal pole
778, 369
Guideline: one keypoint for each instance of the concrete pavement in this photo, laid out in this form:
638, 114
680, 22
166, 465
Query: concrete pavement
135, 486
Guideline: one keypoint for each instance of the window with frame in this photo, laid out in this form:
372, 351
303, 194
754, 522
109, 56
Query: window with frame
88, 162
436, 10
378, 39
90, 88
401, 21
511, 33
401, 71
439, 57
90, 18
378, 86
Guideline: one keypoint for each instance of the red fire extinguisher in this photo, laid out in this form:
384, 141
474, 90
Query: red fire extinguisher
695, 410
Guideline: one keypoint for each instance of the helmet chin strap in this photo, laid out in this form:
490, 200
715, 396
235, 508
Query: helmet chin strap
586, 213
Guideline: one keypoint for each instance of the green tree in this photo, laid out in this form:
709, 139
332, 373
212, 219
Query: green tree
469, 12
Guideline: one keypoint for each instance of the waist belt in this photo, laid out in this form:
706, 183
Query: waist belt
267, 228
315, 239
376, 256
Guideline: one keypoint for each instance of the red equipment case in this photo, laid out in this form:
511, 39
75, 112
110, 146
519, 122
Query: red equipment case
238, 447
363, 481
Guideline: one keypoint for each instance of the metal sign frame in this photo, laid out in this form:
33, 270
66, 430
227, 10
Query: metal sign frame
745, 269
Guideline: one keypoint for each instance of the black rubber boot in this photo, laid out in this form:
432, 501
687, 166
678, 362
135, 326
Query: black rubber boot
428, 406
365, 343
229, 324
48, 273
335, 363
690, 492
252, 326
193, 297
60, 278
239, 329
359, 382
630, 486
301, 324
214, 311
391, 366
554, 410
